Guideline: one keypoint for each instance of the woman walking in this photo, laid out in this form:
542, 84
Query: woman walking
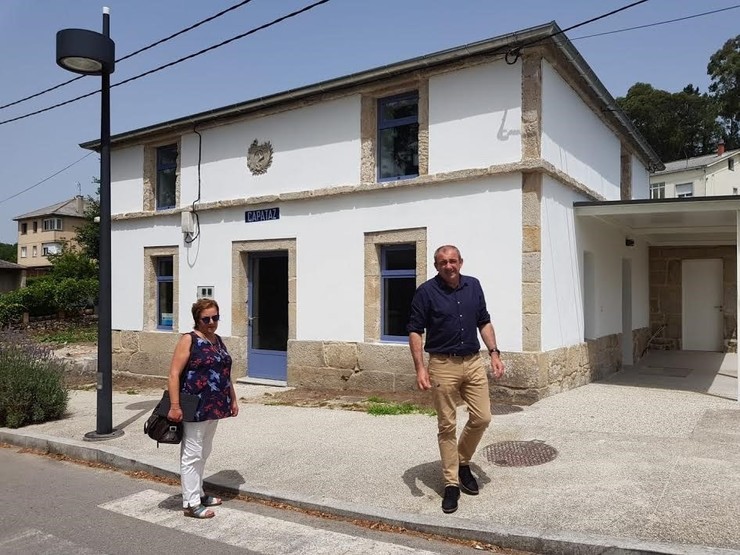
201, 366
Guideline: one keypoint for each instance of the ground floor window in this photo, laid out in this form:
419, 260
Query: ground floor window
395, 265
165, 292
398, 277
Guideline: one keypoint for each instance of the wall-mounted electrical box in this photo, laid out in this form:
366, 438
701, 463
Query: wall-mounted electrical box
187, 222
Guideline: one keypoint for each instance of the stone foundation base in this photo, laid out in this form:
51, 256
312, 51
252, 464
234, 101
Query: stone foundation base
529, 377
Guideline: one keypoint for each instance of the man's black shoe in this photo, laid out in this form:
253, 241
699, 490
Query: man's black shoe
449, 502
467, 480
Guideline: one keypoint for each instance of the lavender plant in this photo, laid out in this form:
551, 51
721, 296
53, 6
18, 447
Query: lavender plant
32, 386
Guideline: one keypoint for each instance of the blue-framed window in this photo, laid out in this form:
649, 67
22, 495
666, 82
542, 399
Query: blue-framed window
398, 136
398, 284
165, 292
166, 177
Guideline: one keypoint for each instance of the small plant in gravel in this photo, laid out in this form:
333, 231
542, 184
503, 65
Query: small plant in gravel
32, 386
381, 407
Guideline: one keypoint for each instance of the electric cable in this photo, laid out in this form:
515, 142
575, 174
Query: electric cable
132, 54
46, 178
655, 24
178, 61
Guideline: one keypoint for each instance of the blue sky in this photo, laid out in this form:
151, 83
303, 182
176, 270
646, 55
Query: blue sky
337, 38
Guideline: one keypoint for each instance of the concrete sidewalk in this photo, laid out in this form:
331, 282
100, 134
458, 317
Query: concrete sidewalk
638, 469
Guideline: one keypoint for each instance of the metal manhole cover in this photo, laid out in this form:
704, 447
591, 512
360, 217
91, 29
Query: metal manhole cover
500, 408
520, 453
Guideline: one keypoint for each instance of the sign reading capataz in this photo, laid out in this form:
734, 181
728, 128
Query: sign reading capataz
262, 215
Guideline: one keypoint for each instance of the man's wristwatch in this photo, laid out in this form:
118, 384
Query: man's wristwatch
494, 350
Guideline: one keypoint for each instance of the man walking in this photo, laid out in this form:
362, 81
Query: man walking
452, 309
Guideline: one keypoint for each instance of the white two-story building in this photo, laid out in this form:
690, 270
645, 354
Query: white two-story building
311, 216
708, 175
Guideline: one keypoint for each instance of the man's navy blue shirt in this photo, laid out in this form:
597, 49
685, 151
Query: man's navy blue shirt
451, 317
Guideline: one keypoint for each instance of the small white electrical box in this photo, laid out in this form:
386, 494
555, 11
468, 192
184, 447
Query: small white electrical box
187, 222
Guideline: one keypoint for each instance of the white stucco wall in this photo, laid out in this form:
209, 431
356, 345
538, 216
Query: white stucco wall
330, 265
575, 140
127, 180
723, 181
640, 179
316, 146
475, 117
564, 240
562, 299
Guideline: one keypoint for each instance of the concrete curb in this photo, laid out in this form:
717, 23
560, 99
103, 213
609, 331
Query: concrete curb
556, 543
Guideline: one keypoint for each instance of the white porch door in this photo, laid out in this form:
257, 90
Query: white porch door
701, 297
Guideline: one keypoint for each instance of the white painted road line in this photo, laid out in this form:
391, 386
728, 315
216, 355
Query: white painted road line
36, 541
249, 530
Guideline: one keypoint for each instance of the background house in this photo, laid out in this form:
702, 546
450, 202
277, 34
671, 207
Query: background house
46, 230
312, 215
709, 175
12, 276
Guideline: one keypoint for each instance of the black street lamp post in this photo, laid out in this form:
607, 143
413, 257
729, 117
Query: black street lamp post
90, 53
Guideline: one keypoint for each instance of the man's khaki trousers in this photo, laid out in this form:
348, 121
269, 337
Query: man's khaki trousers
466, 376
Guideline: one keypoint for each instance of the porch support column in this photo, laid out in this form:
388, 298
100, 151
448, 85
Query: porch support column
737, 295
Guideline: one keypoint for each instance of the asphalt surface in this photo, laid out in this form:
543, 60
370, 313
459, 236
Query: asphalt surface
640, 465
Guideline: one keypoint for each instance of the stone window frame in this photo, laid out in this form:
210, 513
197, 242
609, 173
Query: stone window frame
240, 251
150, 287
150, 173
369, 126
374, 241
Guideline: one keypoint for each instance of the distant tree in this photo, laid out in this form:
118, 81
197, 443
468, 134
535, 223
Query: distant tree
677, 125
9, 252
724, 69
71, 262
88, 234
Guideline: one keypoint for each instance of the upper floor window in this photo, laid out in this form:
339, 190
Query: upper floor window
24, 252
53, 224
398, 284
35, 226
164, 268
34, 251
24, 229
166, 177
684, 190
657, 190
398, 136
50, 248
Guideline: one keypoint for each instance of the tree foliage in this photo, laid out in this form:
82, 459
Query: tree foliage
688, 123
676, 125
724, 69
9, 252
88, 234
72, 262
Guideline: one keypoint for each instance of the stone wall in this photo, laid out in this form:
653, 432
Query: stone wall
640, 339
529, 376
150, 353
665, 292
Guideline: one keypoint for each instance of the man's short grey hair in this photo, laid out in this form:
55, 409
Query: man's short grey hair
447, 248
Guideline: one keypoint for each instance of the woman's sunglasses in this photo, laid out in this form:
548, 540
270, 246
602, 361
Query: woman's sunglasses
207, 319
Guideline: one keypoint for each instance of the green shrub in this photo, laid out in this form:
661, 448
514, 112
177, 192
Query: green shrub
31, 383
10, 313
72, 294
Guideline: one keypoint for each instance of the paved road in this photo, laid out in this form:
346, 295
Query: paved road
63, 508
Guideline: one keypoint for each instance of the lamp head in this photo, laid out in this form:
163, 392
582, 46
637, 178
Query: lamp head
85, 52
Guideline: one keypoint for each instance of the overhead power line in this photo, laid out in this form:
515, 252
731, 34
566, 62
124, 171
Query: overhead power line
132, 54
180, 60
46, 178
658, 23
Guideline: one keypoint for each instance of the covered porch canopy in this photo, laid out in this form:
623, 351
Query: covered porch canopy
694, 221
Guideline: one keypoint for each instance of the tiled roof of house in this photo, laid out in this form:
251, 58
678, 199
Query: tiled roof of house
696, 162
70, 207
5, 265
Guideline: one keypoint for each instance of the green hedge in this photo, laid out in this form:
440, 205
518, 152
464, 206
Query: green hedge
46, 296
32, 386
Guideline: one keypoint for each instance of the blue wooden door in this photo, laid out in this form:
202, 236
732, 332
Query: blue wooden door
268, 316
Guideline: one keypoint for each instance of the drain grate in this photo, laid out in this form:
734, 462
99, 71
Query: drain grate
501, 408
520, 453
